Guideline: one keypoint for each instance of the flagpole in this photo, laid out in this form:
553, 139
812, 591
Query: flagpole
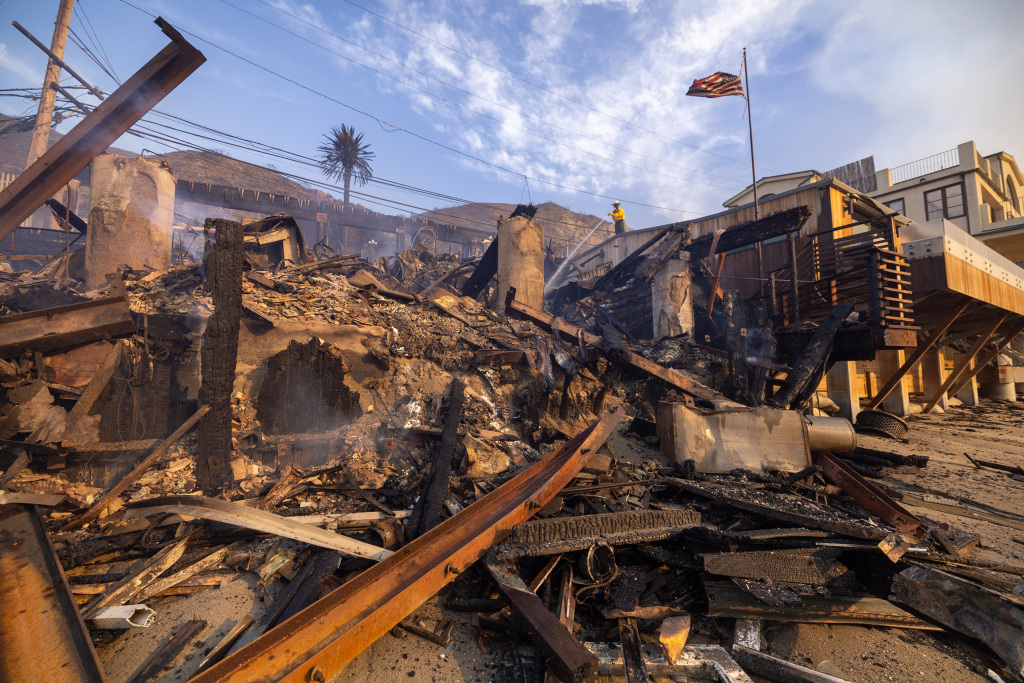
753, 170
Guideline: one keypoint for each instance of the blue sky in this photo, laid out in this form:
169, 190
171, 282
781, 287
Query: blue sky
586, 95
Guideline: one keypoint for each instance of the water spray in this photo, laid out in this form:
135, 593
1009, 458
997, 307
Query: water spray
559, 275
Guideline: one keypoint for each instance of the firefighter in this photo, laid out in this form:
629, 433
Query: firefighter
619, 216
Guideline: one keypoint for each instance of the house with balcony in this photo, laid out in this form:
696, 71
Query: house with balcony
981, 195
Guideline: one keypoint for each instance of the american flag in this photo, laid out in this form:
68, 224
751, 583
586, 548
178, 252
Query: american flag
718, 84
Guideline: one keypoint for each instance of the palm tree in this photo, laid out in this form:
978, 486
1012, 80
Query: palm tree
344, 156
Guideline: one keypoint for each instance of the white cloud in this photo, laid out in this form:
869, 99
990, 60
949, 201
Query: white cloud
915, 63
937, 73
15, 65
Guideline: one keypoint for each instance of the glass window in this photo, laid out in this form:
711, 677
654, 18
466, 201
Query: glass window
898, 206
933, 204
945, 202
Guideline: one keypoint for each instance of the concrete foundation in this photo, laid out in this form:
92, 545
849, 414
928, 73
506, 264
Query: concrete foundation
131, 211
933, 370
844, 389
521, 262
969, 394
1004, 391
898, 400
672, 303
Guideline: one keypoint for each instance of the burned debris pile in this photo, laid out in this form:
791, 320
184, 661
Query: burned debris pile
377, 439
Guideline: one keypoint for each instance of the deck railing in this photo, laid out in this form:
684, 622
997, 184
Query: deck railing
936, 162
865, 269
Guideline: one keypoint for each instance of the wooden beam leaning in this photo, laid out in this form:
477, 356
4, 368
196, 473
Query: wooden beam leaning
97, 131
988, 357
147, 464
247, 517
965, 362
573, 334
323, 638
917, 355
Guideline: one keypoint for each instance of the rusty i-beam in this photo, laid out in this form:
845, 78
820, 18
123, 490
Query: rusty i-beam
319, 641
98, 130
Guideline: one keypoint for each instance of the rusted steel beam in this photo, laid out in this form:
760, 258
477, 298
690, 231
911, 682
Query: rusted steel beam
867, 495
42, 635
319, 641
97, 131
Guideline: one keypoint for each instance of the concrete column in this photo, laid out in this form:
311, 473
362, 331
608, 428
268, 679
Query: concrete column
933, 367
521, 262
844, 389
672, 304
898, 400
997, 382
131, 214
969, 394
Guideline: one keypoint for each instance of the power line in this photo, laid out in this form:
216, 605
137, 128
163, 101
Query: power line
171, 141
391, 128
541, 87
489, 101
99, 44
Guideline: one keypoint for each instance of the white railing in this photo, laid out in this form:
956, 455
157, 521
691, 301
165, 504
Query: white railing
936, 162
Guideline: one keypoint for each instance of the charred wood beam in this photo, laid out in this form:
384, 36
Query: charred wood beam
624, 271
576, 336
63, 213
247, 517
978, 612
813, 359
726, 600
485, 270
745, 234
428, 512
569, 534
223, 265
632, 656
569, 659
59, 326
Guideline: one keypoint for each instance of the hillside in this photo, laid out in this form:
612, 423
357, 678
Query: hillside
200, 167
561, 226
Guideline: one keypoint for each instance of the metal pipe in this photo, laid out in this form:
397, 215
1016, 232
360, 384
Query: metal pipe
834, 434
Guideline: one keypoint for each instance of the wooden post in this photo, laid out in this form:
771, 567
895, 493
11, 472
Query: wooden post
918, 353
223, 264
933, 366
968, 394
987, 357
44, 113
964, 362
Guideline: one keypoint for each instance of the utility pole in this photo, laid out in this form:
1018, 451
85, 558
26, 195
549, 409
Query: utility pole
44, 115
